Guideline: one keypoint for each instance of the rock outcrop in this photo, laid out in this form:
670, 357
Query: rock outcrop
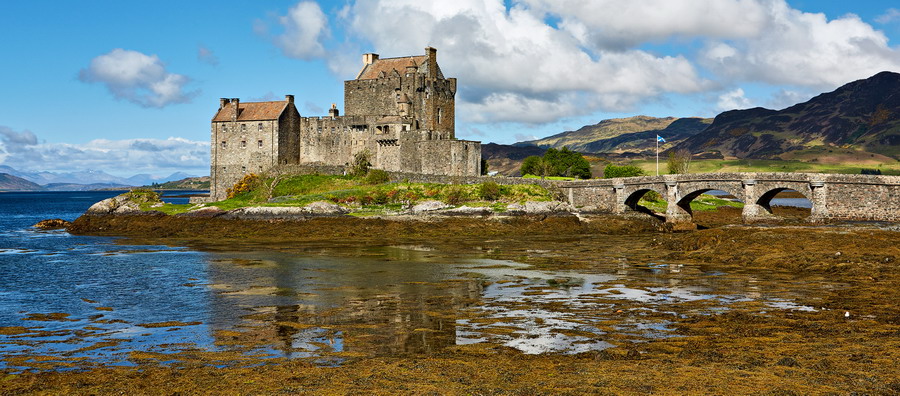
52, 224
119, 204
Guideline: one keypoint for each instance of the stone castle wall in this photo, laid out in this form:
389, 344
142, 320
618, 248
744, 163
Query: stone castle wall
239, 148
404, 120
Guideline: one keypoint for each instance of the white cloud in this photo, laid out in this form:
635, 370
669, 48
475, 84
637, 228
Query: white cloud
733, 100
891, 15
23, 151
516, 67
624, 24
305, 25
138, 78
206, 55
804, 49
540, 61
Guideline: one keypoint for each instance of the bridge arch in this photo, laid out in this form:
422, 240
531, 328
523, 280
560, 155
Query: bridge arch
765, 199
684, 202
633, 199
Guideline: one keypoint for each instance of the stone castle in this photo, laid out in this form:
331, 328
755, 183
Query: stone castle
401, 110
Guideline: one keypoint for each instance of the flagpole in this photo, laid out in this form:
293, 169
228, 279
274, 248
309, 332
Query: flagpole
657, 155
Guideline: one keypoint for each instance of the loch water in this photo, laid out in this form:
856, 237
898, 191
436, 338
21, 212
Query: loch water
99, 300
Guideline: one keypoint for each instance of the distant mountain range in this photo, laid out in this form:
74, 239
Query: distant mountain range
12, 179
858, 122
618, 135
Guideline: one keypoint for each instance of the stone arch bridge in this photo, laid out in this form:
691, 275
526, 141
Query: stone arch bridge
833, 196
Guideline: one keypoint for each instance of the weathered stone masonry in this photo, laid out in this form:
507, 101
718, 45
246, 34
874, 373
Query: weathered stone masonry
833, 196
400, 110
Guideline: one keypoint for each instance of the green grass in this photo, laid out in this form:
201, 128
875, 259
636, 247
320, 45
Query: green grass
702, 203
169, 209
548, 177
367, 199
745, 165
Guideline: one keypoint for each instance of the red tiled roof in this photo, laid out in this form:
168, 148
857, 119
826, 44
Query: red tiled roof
252, 111
387, 65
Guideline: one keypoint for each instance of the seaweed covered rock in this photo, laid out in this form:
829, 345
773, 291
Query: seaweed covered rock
52, 224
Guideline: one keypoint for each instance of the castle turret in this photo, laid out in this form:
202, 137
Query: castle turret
333, 112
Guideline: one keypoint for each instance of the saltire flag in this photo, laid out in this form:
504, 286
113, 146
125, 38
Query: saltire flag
660, 139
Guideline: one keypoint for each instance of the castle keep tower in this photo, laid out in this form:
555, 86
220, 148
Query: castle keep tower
400, 110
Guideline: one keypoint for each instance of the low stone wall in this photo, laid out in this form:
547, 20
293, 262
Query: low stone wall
442, 179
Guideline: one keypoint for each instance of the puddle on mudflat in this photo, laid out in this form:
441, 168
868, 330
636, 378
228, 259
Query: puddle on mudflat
332, 304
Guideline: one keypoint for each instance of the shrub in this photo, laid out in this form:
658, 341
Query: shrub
361, 164
489, 191
377, 176
612, 171
652, 196
143, 196
380, 197
455, 195
679, 161
247, 183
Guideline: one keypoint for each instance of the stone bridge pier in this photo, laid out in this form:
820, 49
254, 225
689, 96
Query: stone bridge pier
846, 197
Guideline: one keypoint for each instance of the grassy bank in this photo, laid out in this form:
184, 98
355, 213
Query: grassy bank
363, 196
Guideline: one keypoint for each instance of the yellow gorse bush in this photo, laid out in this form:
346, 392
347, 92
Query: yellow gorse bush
245, 184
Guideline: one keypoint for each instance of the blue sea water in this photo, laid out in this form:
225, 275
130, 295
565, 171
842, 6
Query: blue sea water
100, 298
95, 281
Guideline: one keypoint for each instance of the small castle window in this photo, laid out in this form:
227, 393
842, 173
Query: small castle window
243, 144
439, 115
243, 127
244, 169
259, 142
224, 168
260, 126
332, 129
224, 144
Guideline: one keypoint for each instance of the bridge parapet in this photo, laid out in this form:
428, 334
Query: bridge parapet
833, 196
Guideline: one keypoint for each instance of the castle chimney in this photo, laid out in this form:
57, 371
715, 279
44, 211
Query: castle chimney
431, 59
234, 106
289, 98
369, 58
333, 112
223, 102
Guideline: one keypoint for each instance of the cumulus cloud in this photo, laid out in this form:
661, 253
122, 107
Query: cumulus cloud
733, 100
23, 151
137, 78
206, 55
305, 25
620, 24
805, 49
515, 66
540, 61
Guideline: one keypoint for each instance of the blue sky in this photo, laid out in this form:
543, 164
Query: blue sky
129, 87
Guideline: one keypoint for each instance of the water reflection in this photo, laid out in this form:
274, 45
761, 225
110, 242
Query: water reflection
336, 303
